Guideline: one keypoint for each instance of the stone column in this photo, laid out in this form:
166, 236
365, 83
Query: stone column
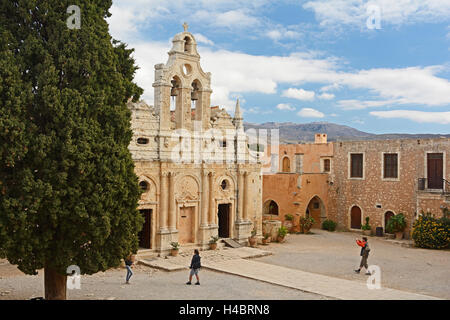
205, 202
172, 203
246, 197
163, 203
212, 211
240, 199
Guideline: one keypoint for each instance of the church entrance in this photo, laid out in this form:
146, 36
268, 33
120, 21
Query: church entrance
185, 229
145, 233
224, 220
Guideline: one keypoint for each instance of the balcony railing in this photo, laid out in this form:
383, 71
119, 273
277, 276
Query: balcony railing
423, 184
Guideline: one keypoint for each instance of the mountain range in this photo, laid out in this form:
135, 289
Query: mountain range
291, 132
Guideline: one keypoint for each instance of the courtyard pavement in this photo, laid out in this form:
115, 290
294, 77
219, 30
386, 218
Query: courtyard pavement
313, 266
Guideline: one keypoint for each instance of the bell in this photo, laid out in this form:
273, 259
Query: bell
173, 92
194, 95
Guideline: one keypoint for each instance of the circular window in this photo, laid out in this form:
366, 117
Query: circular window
144, 185
224, 185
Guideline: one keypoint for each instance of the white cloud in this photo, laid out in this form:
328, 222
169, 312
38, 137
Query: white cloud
326, 96
285, 106
299, 94
279, 33
202, 39
398, 12
310, 113
353, 104
416, 116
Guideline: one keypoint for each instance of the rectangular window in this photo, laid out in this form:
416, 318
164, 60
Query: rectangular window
356, 165
326, 165
391, 165
299, 163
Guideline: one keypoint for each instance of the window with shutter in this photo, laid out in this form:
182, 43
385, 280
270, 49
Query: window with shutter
356, 165
391, 165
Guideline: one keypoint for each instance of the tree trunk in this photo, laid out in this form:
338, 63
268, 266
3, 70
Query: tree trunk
55, 284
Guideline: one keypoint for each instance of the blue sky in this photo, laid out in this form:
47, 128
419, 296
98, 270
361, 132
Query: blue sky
305, 61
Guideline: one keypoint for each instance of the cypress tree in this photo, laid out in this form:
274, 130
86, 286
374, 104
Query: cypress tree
68, 191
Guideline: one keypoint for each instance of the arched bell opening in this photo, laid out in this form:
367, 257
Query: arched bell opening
174, 92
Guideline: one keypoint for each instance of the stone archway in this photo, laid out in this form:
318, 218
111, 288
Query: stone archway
271, 208
316, 209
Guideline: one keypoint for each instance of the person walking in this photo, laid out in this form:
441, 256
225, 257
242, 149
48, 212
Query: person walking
128, 265
195, 267
365, 249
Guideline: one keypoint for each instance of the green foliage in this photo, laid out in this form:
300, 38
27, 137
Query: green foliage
282, 231
68, 191
329, 225
430, 232
396, 223
266, 236
289, 217
366, 226
253, 232
214, 239
307, 222
175, 245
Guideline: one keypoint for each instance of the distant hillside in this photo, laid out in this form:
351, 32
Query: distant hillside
304, 132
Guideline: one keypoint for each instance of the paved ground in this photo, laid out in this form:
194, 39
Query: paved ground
335, 254
151, 284
321, 263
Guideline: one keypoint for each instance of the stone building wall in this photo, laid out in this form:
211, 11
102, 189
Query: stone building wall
374, 194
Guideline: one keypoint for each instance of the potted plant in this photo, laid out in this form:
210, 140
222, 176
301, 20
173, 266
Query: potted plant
397, 224
366, 228
306, 223
252, 239
213, 242
282, 232
288, 221
175, 248
266, 239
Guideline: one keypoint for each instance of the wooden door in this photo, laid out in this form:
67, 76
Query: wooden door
355, 218
435, 170
387, 216
286, 165
186, 225
145, 233
224, 220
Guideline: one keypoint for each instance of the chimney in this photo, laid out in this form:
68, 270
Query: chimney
320, 138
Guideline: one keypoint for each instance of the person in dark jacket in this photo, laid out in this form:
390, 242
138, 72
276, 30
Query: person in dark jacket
128, 265
364, 244
195, 267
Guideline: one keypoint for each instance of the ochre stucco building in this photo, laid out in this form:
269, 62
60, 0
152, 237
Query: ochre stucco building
198, 176
349, 181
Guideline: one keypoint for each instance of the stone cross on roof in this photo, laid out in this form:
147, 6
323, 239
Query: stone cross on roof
185, 26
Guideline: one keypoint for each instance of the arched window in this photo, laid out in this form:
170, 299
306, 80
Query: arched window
271, 207
355, 217
286, 165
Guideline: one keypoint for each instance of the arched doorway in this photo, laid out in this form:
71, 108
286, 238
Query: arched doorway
316, 210
355, 217
270, 208
387, 216
286, 164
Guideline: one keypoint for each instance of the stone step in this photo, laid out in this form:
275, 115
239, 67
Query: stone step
231, 243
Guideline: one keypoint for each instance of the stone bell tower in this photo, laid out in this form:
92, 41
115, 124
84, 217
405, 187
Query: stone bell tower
182, 82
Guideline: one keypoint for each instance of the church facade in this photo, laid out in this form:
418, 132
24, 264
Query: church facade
198, 176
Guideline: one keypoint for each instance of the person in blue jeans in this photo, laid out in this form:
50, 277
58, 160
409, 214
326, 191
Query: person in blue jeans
128, 265
195, 267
